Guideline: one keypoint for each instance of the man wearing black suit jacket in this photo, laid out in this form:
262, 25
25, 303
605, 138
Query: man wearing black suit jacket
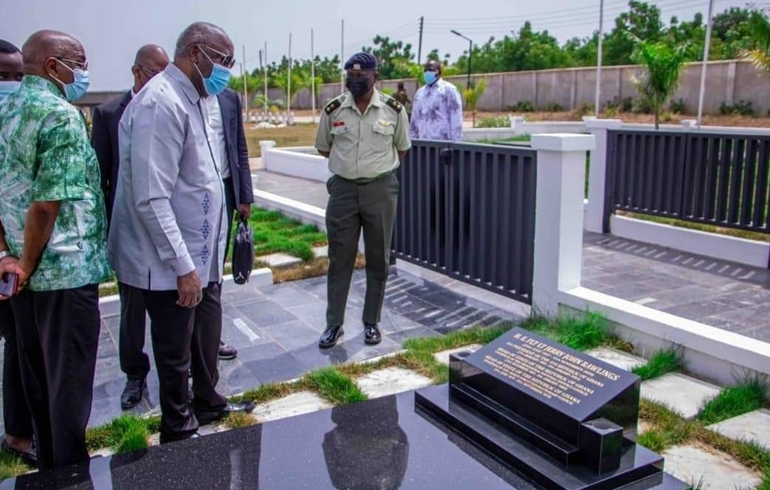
228, 142
150, 60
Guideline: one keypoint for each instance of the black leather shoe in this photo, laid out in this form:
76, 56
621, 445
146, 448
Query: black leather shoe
372, 334
29, 456
133, 392
205, 418
166, 438
227, 352
330, 336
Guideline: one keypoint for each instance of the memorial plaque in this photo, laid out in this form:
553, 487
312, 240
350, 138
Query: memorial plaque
531, 368
524, 394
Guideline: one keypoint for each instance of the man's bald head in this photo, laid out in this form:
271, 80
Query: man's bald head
433, 65
150, 60
198, 48
53, 55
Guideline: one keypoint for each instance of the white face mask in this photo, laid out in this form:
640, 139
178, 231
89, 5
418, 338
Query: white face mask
7, 87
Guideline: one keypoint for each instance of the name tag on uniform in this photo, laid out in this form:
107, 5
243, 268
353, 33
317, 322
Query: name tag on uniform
337, 124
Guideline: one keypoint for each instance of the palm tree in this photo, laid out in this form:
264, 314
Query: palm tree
472, 95
662, 68
759, 27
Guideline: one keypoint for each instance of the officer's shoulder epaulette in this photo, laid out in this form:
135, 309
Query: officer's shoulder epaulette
392, 103
334, 104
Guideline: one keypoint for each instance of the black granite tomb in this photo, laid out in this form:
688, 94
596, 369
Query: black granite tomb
560, 417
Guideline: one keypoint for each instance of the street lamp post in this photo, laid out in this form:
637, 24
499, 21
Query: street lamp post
470, 54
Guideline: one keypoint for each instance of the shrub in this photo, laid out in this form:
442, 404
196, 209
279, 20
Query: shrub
741, 108
641, 106
677, 106
666, 117
523, 106
553, 107
584, 109
494, 122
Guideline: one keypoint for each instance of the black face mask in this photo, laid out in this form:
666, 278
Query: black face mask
358, 86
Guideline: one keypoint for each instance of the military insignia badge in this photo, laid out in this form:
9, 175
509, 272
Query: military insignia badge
357, 66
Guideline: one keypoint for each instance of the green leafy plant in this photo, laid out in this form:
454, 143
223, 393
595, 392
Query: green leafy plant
522, 106
472, 96
553, 107
740, 108
759, 29
677, 106
584, 109
660, 77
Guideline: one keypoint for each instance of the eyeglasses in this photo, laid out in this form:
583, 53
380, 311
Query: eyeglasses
226, 59
148, 72
78, 64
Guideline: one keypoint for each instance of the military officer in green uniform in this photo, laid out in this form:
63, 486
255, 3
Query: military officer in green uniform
365, 134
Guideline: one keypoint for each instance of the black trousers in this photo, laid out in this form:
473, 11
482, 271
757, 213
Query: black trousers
58, 336
185, 338
16, 416
133, 361
354, 207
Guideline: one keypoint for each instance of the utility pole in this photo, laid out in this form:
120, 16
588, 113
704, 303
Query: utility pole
245, 85
288, 83
419, 45
706, 49
266, 101
597, 104
312, 75
342, 58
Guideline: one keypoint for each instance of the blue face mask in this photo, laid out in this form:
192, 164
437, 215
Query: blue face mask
217, 82
7, 88
78, 88
429, 77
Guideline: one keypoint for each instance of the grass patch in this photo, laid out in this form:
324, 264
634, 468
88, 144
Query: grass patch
238, 420
297, 135
662, 362
580, 332
269, 392
733, 401
125, 433
11, 466
335, 386
522, 138
275, 233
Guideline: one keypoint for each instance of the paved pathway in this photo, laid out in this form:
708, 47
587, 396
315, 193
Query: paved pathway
718, 293
276, 328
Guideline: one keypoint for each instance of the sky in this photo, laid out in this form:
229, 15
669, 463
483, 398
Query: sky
113, 30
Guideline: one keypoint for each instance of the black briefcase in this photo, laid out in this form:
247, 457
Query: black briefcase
243, 252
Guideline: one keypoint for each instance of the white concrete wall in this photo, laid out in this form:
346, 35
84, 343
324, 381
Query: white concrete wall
733, 249
296, 162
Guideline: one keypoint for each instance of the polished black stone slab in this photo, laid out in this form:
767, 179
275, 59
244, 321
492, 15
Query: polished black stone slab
376, 445
550, 387
636, 465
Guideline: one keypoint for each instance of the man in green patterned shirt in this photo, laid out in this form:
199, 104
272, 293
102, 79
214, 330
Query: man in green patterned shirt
53, 236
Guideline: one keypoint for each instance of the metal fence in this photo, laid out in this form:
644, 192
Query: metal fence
468, 211
712, 178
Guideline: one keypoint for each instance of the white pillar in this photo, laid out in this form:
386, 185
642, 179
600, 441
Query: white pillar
558, 216
594, 215
265, 145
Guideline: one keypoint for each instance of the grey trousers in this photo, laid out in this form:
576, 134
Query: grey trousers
352, 207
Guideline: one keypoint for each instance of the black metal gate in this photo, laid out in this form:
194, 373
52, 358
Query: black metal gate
468, 211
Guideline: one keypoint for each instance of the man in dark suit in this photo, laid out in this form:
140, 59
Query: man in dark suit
150, 60
228, 142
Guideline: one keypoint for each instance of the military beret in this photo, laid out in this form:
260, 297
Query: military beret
361, 61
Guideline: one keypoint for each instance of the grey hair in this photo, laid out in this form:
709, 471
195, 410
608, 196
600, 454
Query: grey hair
196, 33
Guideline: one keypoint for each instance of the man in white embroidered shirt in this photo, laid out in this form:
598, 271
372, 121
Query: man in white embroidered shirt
437, 111
168, 230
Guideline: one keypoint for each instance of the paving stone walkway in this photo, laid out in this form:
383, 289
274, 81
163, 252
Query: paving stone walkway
276, 328
718, 293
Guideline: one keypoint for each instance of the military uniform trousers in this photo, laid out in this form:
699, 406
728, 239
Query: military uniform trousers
352, 207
